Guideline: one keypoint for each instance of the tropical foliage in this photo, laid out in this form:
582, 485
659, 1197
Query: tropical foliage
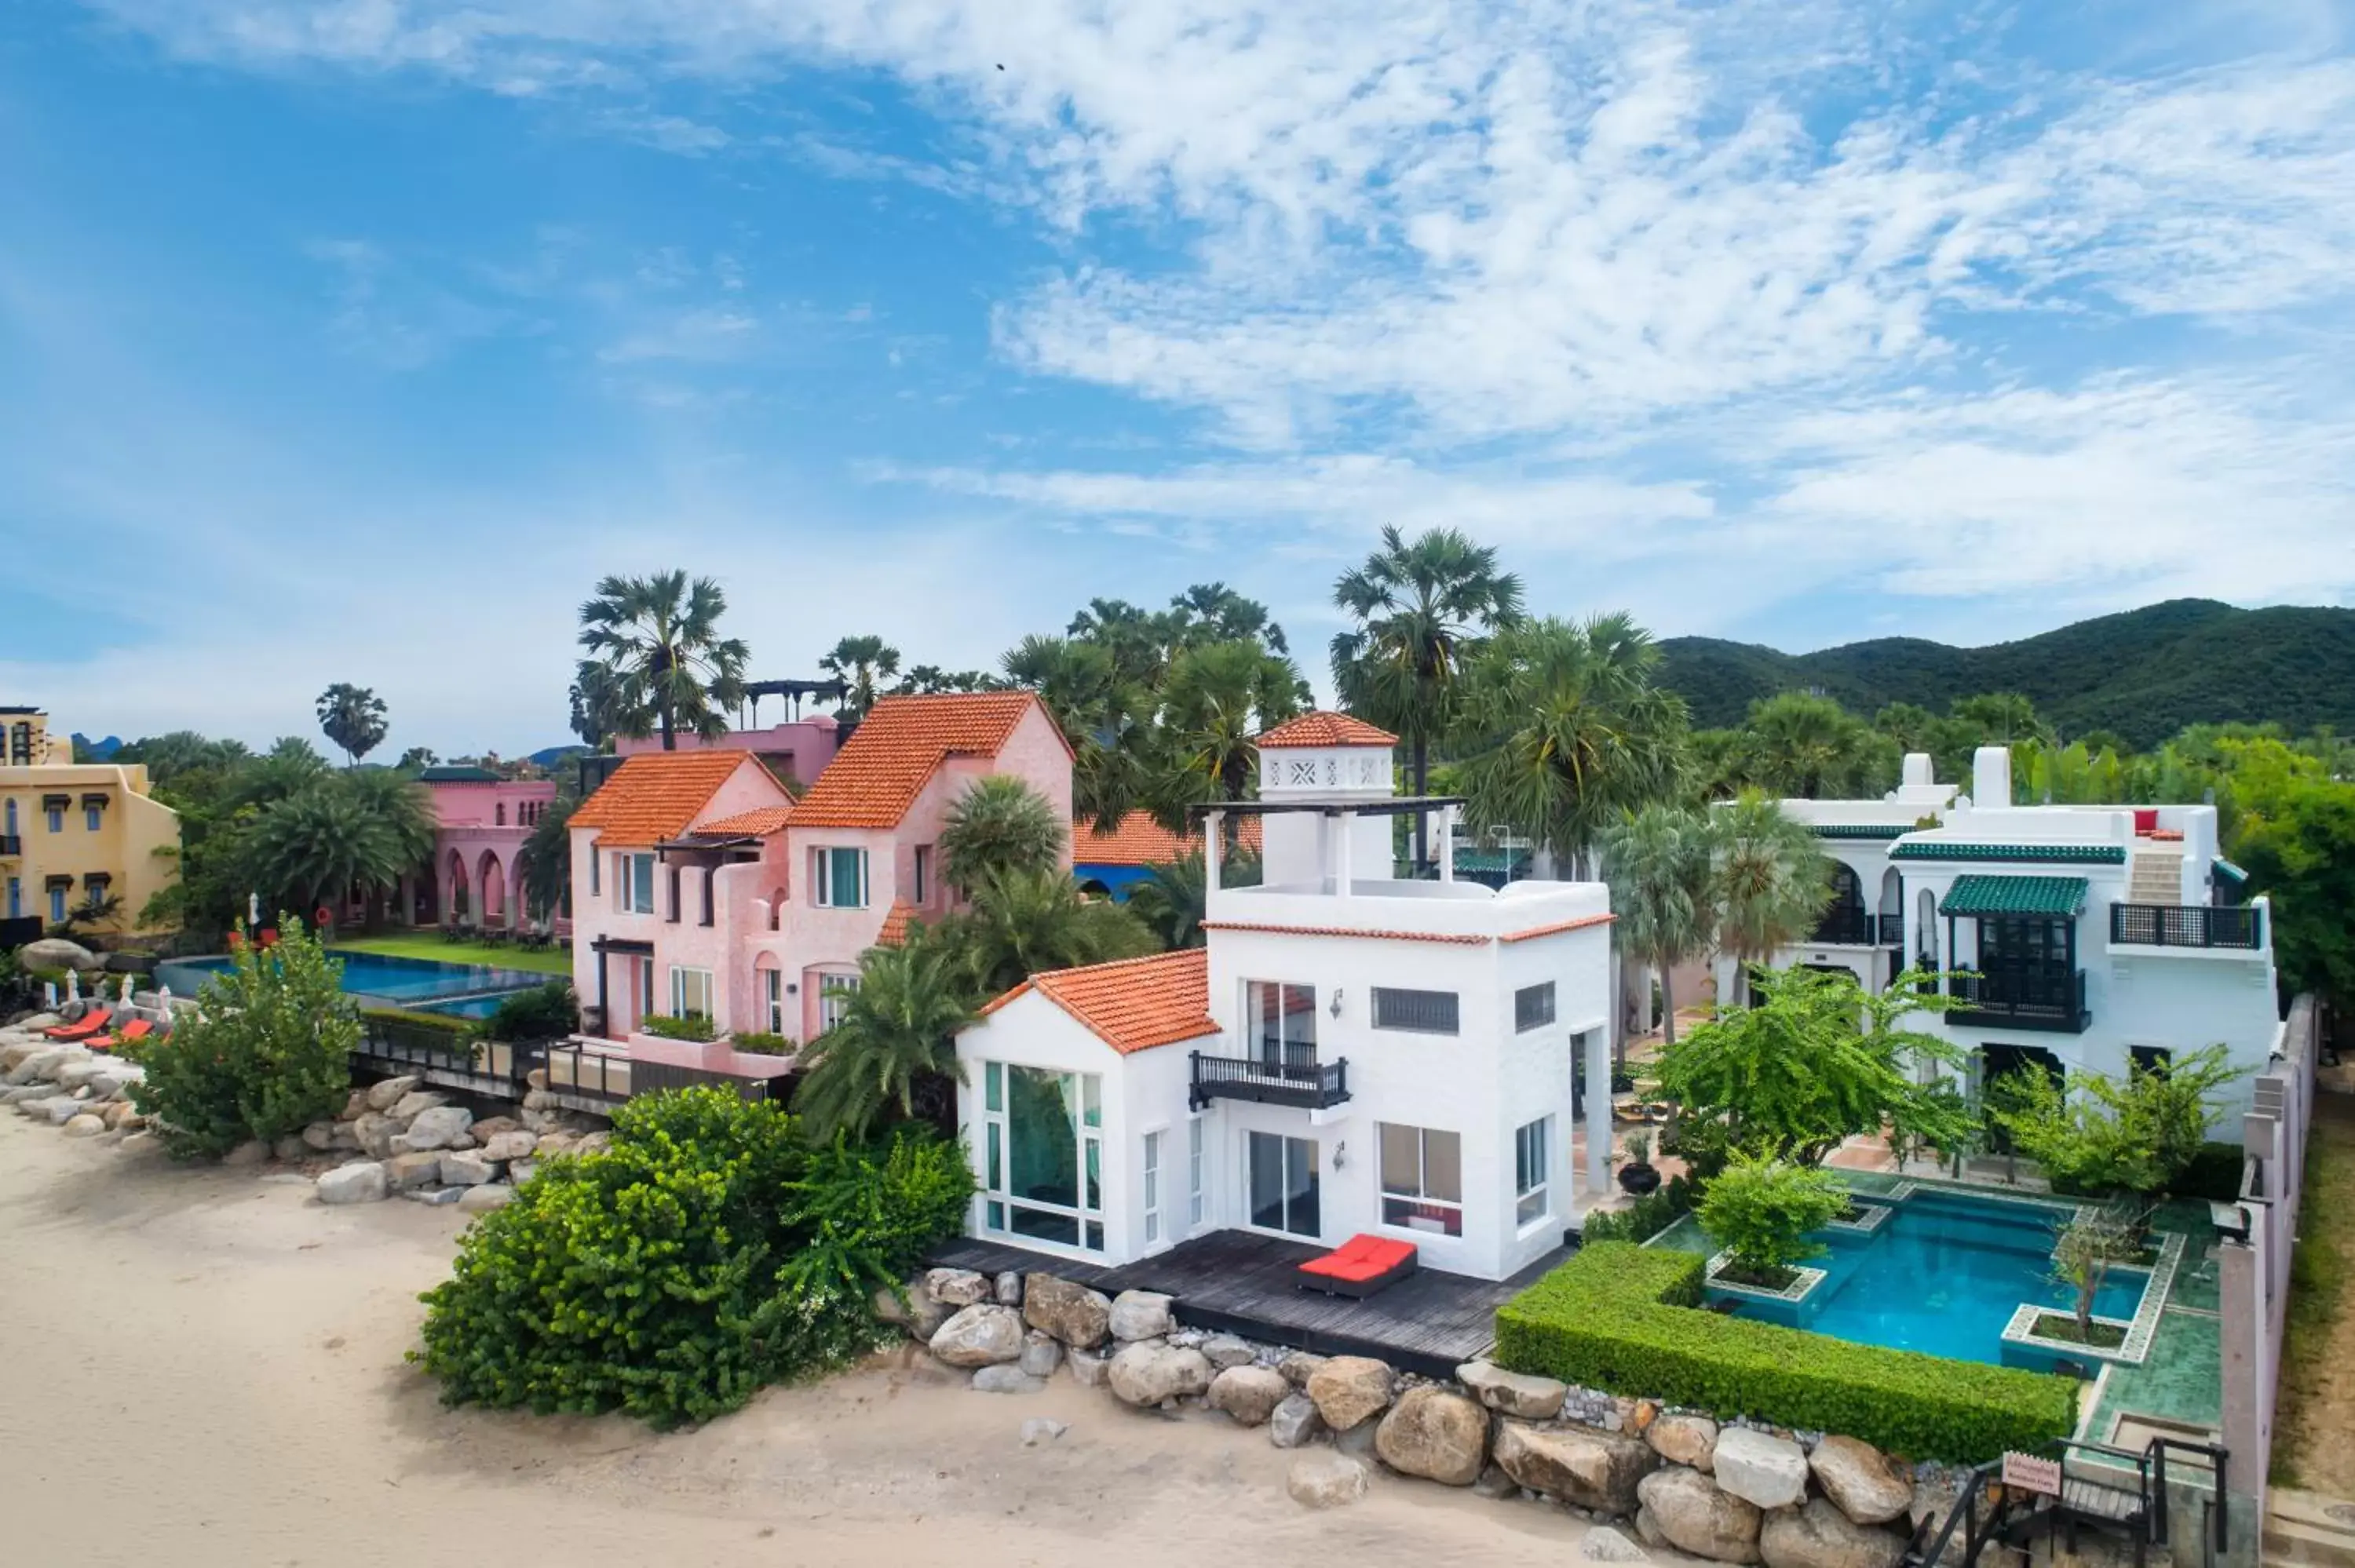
1761, 1209
861, 664
266, 1053
360, 831
1772, 881
655, 660
1000, 826
2137, 1136
1661, 864
896, 1030
1023, 922
1172, 898
2087, 1247
353, 717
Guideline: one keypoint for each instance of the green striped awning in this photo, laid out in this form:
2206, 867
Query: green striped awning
2226, 869
1861, 830
2081, 854
2053, 896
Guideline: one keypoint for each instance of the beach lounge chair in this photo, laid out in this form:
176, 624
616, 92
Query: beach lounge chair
1359, 1267
82, 1028
130, 1033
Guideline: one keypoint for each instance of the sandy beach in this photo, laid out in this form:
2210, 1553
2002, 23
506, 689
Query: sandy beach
205, 1368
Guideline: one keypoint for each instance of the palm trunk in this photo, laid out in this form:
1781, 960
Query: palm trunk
1668, 1005
670, 740
1422, 820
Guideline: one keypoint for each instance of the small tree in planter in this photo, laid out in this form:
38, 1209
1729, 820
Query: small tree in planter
2135, 1137
1759, 1209
1639, 1175
2089, 1246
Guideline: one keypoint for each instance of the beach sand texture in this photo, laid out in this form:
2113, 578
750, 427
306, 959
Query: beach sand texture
205, 1370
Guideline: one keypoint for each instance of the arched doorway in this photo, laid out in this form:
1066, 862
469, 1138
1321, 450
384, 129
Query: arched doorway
457, 908
492, 877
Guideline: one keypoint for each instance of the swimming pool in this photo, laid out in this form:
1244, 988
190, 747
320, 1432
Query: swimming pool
470, 991
1944, 1273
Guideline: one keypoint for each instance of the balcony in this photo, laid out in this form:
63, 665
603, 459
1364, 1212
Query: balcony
2049, 1001
11, 845
2187, 926
1289, 1076
1851, 925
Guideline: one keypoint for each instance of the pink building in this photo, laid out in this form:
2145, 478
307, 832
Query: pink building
482, 822
701, 888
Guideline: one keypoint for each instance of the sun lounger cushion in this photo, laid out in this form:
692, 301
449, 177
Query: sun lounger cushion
1360, 1258
82, 1028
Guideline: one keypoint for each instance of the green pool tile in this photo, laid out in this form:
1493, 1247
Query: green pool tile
2182, 1379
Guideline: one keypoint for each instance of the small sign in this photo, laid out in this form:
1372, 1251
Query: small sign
2029, 1474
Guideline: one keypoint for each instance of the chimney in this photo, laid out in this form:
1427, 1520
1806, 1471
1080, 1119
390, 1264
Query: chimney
1991, 777
1918, 774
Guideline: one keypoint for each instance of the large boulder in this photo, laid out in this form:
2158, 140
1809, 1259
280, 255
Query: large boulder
408, 1172
1350, 1389
505, 1146
1226, 1351
1870, 1487
1140, 1315
1512, 1393
1145, 1375
1325, 1481
57, 953
40, 1066
1041, 1352
1072, 1313
1596, 1470
461, 1169
1688, 1440
1295, 1422
1435, 1434
375, 1130
1693, 1515
981, 1335
1298, 1367
84, 1125
383, 1096
482, 1200
1249, 1393
1605, 1544
416, 1103
1760, 1468
61, 1110
917, 1312
363, 1182
1007, 1377
1821, 1536
959, 1286
436, 1127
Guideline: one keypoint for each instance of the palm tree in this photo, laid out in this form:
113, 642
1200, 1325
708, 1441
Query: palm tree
314, 846
1213, 612
896, 1030
544, 865
1578, 732
1215, 702
1810, 748
657, 658
999, 825
1101, 714
353, 717
1772, 882
1173, 897
1658, 862
1420, 608
1024, 922
860, 663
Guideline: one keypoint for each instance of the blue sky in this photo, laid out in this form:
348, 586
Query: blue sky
354, 339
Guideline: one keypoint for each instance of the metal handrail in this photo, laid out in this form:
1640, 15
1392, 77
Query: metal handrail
2238, 926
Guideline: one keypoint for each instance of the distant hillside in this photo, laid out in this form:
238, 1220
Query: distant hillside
2145, 673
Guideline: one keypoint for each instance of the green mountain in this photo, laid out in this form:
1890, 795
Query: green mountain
2145, 673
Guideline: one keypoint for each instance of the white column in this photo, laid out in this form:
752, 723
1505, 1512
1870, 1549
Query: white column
1348, 839
1447, 844
1598, 1112
1214, 846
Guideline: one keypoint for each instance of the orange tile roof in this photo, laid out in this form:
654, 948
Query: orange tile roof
895, 925
1455, 938
1138, 840
759, 823
878, 773
654, 795
1322, 728
1132, 1004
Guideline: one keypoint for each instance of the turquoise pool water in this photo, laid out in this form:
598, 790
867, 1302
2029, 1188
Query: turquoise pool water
470, 991
1944, 1274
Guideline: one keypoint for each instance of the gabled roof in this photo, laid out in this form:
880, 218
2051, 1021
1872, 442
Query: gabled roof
654, 795
1323, 728
2051, 897
1131, 1004
1138, 840
757, 823
895, 925
884, 766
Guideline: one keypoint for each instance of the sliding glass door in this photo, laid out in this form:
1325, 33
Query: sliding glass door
1282, 1183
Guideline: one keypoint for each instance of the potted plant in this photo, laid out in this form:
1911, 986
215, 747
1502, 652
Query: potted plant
1638, 1176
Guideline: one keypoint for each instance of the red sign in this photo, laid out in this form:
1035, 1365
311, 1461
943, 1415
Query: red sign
2029, 1474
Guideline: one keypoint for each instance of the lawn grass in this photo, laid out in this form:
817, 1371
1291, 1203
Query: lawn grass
2316, 1407
427, 945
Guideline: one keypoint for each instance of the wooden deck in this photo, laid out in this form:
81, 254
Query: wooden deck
1237, 1282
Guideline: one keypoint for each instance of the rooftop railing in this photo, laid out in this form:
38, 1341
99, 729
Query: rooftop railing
1291, 1076
2187, 926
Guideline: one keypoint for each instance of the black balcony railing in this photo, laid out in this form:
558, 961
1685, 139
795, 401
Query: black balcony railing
1851, 924
12, 844
2187, 926
2052, 1001
1288, 1075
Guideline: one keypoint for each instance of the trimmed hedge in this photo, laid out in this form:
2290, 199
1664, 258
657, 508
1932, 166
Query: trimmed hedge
1625, 1319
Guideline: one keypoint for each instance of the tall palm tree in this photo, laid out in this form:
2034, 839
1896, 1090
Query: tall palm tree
1810, 748
999, 825
1419, 608
862, 664
1173, 897
1658, 862
1213, 612
1215, 702
1103, 715
1576, 731
353, 717
657, 658
544, 865
1772, 882
898, 1028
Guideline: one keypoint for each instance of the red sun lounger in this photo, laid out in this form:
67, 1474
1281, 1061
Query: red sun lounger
82, 1028
130, 1033
1359, 1267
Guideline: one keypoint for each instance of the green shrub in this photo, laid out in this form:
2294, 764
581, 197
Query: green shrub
1761, 1211
709, 1251
760, 1042
1645, 1218
266, 1053
548, 1012
677, 1028
1624, 1318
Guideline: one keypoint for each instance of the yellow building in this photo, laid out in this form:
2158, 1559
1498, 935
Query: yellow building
73, 833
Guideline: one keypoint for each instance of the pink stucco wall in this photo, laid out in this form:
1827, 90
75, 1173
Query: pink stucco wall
799, 750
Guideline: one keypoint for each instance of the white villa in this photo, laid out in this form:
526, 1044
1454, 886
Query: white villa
1351, 1053
2095, 936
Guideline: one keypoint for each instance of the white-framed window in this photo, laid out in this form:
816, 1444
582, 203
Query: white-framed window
1532, 1151
1152, 1186
1197, 1199
1279, 1024
633, 883
1042, 1155
1415, 1011
596, 875
773, 998
1423, 1178
834, 995
645, 985
690, 992
838, 878
1532, 1007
